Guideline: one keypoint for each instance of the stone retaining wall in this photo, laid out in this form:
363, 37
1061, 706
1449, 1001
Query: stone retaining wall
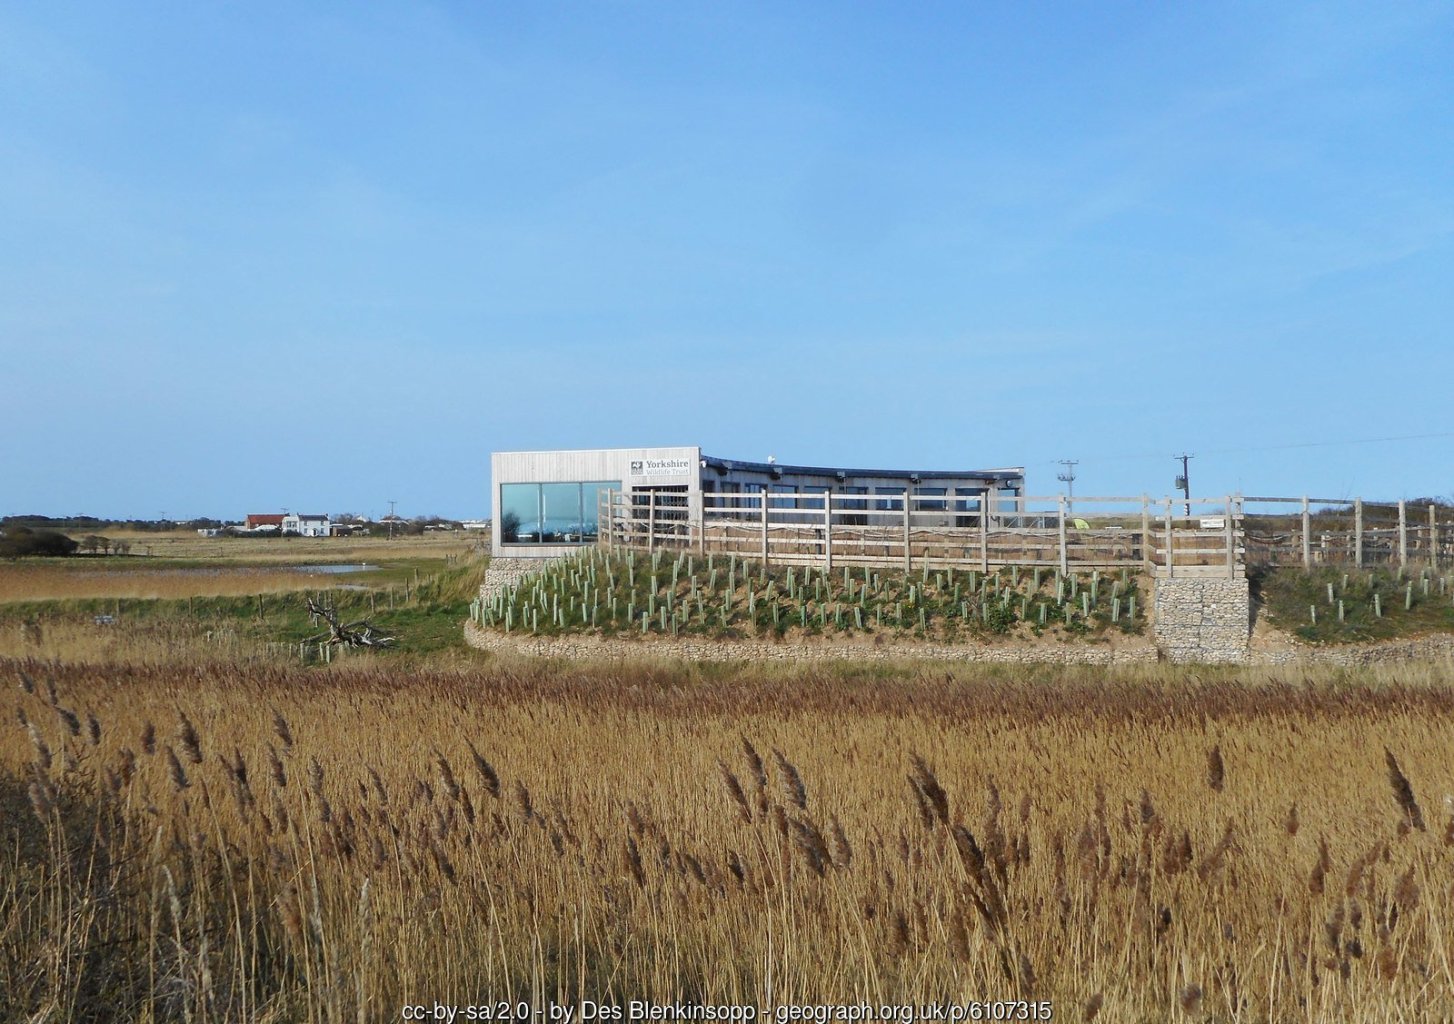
506, 572
1202, 620
1382, 652
1424, 649
704, 649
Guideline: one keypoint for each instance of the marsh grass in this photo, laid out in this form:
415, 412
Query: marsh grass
234, 841
174, 624
31, 583
187, 546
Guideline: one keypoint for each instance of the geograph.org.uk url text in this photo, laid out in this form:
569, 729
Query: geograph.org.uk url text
590, 1012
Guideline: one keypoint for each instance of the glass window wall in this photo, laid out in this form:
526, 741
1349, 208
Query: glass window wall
553, 513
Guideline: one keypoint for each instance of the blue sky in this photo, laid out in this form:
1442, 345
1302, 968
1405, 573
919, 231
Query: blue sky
324, 255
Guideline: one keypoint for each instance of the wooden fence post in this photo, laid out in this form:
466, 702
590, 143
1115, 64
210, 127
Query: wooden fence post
827, 531
1170, 554
651, 521
984, 535
1146, 559
1064, 554
1231, 541
1433, 537
908, 551
762, 501
1307, 536
1403, 535
1358, 532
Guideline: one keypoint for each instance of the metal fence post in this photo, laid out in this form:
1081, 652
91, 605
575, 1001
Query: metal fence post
1358, 532
1307, 536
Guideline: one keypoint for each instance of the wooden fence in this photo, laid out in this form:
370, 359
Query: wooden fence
1170, 536
1309, 532
1218, 537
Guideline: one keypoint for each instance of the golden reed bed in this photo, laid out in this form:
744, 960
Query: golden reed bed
52, 583
263, 843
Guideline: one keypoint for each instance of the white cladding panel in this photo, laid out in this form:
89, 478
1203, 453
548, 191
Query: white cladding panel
634, 467
639, 466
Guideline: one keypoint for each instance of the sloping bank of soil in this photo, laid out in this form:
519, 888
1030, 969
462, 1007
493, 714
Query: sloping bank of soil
1266, 649
702, 649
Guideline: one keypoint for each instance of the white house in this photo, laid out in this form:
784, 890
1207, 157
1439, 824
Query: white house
305, 525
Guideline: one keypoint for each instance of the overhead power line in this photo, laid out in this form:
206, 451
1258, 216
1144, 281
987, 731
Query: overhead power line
1273, 447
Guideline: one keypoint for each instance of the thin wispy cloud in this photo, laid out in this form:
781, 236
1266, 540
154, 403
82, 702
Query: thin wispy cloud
993, 234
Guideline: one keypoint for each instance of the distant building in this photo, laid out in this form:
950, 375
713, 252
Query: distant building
264, 521
476, 524
304, 525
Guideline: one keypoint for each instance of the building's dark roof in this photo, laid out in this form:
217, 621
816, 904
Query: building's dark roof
771, 468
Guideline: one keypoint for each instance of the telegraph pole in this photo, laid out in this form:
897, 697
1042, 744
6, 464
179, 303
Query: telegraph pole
1068, 478
392, 502
1184, 481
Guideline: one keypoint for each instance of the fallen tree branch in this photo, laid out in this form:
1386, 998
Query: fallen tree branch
353, 634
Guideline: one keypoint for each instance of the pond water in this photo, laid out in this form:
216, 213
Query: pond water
334, 570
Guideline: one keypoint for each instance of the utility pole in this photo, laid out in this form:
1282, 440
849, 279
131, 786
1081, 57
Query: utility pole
1068, 478
392, 502
1184, 481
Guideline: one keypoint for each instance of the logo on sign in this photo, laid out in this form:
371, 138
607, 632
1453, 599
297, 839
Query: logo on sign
661, 467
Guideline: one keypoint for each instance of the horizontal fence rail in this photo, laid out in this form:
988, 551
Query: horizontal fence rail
1216, 537
1199, 536
1325, 531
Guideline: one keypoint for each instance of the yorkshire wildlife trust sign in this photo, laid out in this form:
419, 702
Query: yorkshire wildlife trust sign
661, 467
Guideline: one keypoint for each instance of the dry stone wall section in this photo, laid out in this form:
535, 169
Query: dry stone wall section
503, 573
1206, 621
704, 649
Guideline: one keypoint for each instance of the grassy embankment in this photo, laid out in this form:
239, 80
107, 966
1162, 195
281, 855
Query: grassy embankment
665, 594
1337, 605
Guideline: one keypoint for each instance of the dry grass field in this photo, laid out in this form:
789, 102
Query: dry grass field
172, 566
59, 582
243, 606
188, 545
241, 840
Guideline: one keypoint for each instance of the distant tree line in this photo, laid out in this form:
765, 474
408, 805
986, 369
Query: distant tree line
23, 542
78, 524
